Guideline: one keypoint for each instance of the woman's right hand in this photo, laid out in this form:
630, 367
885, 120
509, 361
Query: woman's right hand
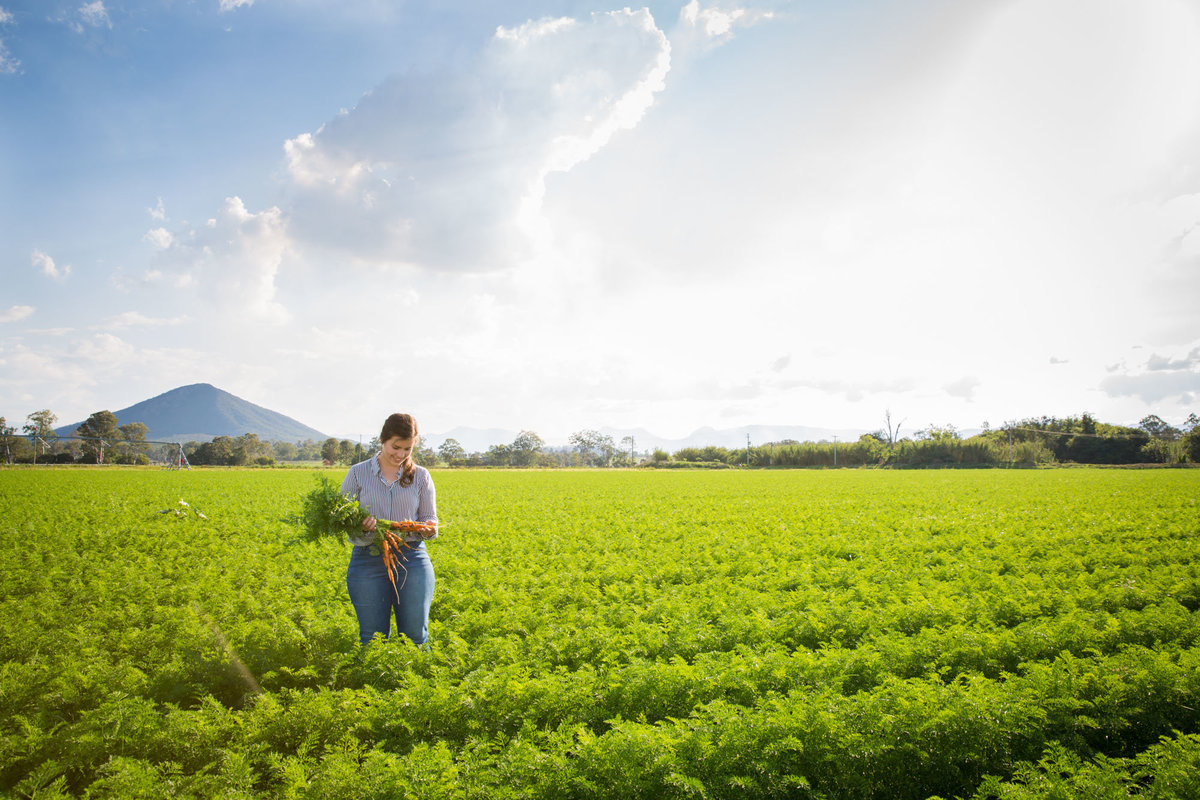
369, 525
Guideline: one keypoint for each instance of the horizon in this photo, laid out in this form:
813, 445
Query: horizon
572, 215
480, 439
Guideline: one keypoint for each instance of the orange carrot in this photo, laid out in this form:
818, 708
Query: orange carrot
410, 526
387, 563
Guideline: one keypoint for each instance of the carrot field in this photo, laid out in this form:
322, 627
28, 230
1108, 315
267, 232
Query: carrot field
610, 634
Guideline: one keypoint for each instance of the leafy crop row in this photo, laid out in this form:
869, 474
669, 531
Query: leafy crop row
595, 634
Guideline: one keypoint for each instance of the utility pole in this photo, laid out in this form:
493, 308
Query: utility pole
747, 449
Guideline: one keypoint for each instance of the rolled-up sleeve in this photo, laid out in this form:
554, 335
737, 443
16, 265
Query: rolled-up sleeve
426, 500
352, 486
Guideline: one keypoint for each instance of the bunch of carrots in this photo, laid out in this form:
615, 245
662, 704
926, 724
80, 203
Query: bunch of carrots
327, 512
392, 543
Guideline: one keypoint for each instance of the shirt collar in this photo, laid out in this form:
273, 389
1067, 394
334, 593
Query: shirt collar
377, 471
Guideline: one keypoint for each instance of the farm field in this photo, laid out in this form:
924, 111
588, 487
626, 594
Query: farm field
610, 634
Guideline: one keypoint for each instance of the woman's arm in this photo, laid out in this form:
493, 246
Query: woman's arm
427, 504
352, 488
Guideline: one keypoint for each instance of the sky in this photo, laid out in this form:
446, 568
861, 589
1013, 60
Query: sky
559, 216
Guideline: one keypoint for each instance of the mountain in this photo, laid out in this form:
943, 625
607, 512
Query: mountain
201, 412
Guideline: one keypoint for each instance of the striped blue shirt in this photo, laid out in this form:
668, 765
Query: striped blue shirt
417, 501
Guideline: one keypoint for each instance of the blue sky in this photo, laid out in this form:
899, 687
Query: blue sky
558, 216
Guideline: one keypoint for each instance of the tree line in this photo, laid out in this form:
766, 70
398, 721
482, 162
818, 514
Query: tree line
101, 439
1026, 442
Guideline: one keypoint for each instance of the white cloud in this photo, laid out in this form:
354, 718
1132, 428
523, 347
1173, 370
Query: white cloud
448, 170
25, 366
46, 265
160, 238
62, 371
699, 29
231, 261
158, 212
8, 64
712, 21
89, 16
103, 349
230, 5
963, 387
131, 319
533, 30
1158, 363
122, 282
1159, 378
1153, 387
94, 14
16, 313
715, 22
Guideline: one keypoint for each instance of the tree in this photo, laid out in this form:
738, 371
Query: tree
1158, 428
1191, 445
594, 447
98, 432
498, 455
6, 437
525, 449
451, 451
893, 433
1161, 451
308, 450
285, 451
249, 449
1190, 423
329, 450
219, 452
937, 433
421, 454
40, 425
873, 446
134, 435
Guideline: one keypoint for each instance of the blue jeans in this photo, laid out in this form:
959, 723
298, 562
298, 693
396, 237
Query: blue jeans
374, 598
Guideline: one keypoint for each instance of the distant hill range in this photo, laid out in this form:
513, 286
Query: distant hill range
476, 440
201, 412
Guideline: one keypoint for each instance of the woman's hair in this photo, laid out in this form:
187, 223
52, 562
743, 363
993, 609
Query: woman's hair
402, 426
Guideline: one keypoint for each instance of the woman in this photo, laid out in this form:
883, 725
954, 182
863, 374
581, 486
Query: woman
392, 487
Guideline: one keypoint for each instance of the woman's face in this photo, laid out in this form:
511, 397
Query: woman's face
395, 450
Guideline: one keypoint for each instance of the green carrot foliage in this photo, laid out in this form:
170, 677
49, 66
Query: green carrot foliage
856, 634
326, 512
